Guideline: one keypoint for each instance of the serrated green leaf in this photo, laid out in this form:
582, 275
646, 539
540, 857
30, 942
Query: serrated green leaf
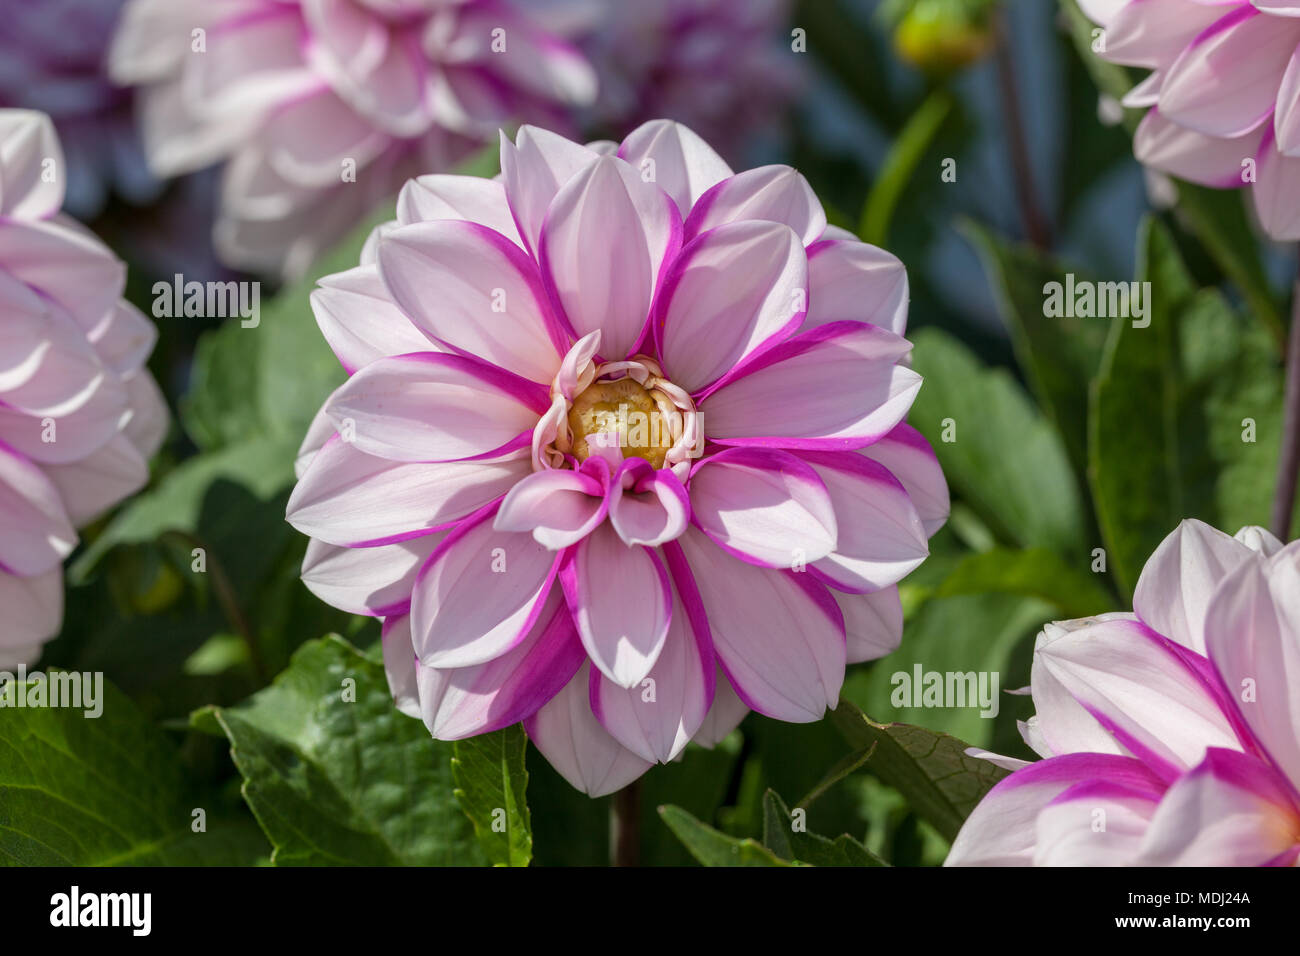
713, 848
932, 770
106, 791
797, 845
1169, 412
492, 787
339, 781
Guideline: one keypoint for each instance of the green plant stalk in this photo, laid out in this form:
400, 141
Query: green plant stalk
900, 165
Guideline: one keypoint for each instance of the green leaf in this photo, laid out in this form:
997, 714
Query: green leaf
492, 784
263, 467
1170, 411
781, 837
713, 848
979, 634
932, 770
106, 791
1060, 356
336, 775
1035, 573
1006, 460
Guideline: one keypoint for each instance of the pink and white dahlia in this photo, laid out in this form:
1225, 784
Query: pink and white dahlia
52, 59
1223, 93
715, 65
622, 450
323, 108
1171, 736
79, 413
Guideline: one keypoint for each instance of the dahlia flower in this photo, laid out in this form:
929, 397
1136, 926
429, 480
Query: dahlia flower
52, 60
1171, 736
322, 108
714, 65
622, 450
1222, 93
79, 413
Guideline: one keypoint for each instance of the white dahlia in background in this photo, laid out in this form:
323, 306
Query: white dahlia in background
1170, 736
52, 59
1223, 94
323, 108
622, 452
79, 413
722, 67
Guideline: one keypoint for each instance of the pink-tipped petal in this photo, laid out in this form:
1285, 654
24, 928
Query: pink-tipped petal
835, 387
1140, 691
466, 701
572, 739
873, 623
684, 165
1225, 83
1000, 831
659, 715
558, 507
709, 327
621, 602
1252, 627
1178, 580
433, 407
774, 193
361, 322
853, 281
533, 168
778, 635
606, 236
35, 533
764, 506
464, 198
373, 581
1232, 810
400, 664
479, 594
881, 538
347, 497
33, 614
489, 298
910, 459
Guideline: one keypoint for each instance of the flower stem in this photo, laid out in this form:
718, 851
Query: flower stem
625, 826
1031, 214
1289, 460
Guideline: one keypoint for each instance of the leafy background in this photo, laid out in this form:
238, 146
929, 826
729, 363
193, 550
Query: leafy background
238, 694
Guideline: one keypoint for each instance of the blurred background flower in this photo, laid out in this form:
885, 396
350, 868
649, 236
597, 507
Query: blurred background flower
321, 110
53, 59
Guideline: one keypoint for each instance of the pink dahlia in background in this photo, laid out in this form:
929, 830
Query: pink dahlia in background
622, 450
79, 413
723, 67
1223, 93
52, 59
322, 108
1171, 736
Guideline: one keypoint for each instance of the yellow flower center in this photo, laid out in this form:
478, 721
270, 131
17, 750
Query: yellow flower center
624, 409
